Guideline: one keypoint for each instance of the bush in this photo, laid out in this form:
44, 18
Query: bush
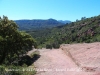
48, 46
55, 45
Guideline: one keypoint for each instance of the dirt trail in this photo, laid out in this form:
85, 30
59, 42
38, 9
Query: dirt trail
69, 59
56, 62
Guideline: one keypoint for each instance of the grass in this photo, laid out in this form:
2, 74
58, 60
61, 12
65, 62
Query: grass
16, 70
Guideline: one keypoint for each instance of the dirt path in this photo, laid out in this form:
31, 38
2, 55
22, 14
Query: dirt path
56, 62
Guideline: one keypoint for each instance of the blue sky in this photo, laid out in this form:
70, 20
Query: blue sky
45, 9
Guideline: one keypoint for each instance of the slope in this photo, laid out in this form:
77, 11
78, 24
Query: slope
84, 30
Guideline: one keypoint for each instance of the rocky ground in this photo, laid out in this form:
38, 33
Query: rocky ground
70, 59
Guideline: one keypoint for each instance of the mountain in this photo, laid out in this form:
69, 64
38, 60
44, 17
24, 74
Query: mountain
37, 24
84, 30
64, 21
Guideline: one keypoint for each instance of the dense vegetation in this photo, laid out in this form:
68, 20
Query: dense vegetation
84, 30
13, 44
38, 24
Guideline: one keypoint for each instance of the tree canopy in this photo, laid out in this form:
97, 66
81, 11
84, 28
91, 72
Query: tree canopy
13, 42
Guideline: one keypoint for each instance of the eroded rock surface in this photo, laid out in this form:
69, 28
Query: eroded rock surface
70, 59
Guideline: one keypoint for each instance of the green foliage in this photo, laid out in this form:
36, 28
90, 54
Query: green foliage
48, 46
25, 60
13, 42
55, 45
84, 30
29, 59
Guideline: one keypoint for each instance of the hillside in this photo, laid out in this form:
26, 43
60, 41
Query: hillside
84, 30
38, 24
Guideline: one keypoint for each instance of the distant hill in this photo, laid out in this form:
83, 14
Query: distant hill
64, 21
38, 24
84, 30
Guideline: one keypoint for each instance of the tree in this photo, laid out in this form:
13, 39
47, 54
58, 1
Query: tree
13, 42
55, 44
83, 18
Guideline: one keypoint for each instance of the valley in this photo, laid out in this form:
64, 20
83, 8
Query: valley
49, 37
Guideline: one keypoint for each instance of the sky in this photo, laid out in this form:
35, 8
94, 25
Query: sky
45, 9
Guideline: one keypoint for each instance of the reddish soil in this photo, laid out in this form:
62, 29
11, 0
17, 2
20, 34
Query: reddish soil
70, 59
86, 55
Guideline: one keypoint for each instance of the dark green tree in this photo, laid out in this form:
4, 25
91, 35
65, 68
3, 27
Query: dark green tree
13, 42
48, 46
56, 45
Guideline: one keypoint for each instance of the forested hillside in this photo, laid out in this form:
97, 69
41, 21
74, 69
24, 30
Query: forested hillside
39, 24
84, 30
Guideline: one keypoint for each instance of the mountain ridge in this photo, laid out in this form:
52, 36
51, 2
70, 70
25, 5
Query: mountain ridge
84, 30
26, 24
64, 21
